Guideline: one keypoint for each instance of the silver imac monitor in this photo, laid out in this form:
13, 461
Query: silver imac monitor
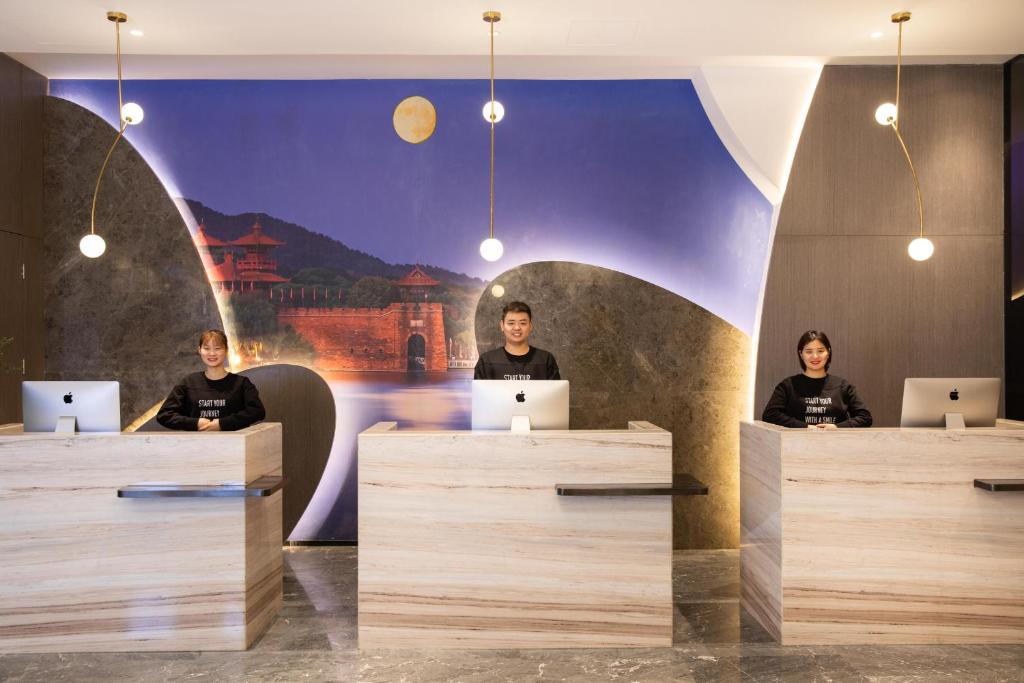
520, 405
951, 402
71, 406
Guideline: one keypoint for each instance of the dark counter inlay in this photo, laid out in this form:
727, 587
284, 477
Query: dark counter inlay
681, 485
265, 486
1000, 484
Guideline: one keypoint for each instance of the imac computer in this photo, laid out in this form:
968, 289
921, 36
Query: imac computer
955, 403
69, 407
520, 405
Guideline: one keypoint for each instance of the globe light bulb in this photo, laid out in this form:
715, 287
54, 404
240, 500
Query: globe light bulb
921, 249
885, 114
92, 246
491, 249
132, 113
497, 291
499, 111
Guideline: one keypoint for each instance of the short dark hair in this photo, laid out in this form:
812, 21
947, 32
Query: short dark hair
805, 339
214, 334
516, 307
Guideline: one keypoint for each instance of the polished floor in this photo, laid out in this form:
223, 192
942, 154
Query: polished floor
314, 639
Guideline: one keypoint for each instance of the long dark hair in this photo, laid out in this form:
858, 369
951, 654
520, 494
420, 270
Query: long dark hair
805, 339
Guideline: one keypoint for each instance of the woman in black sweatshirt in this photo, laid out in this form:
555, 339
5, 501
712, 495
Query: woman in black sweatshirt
815, 399
214, 400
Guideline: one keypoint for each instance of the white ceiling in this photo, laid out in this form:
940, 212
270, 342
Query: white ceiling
538, 38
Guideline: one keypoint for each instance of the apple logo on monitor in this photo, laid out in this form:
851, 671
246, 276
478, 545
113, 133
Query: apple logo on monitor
954, 395
67, 397
521, 397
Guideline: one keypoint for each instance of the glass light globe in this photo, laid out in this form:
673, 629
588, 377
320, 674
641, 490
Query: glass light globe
921, 249
886, 113
132, 113
92, 246
499, 111
491, 249
497, 291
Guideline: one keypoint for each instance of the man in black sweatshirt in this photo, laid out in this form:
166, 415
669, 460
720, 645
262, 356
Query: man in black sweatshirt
516, 359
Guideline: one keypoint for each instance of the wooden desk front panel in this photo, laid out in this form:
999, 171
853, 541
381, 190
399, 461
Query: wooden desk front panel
464, 543
884, 539
84, 570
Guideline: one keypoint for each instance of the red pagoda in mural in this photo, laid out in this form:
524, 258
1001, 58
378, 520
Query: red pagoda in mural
254, 269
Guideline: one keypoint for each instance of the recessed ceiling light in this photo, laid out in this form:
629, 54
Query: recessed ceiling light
877, 34
137, 32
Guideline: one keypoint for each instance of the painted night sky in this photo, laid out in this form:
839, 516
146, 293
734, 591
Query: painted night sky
628, 175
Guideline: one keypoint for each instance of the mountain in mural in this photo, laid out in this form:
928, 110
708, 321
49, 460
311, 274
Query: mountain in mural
304, 248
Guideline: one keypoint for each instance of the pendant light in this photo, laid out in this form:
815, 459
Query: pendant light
92, 245
888, 114
491, 248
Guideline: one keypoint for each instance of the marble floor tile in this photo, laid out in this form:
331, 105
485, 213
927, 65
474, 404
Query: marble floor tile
315, 639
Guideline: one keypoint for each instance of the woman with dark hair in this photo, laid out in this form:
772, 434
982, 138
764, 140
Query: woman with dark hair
214, 400
814, 398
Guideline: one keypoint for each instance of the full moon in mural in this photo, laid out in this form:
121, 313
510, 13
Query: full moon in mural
414, 119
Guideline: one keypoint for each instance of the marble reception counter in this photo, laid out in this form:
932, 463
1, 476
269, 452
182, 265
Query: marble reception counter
882, 535
464, 541
88, 569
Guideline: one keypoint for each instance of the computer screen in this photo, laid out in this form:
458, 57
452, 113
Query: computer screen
545, 402
75, 406
927, 400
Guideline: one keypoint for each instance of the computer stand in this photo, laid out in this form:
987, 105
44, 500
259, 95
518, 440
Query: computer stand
521, 423
955, 421
66, 424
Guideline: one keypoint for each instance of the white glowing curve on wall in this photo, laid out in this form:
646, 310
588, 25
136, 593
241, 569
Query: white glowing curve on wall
763, 145
758, 113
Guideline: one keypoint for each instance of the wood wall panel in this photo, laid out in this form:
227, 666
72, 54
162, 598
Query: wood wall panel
10, 144
839, 260
21, 209
12, 326
1015, 238
33, 93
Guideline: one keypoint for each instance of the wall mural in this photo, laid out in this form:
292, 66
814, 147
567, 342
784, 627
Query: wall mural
341, 234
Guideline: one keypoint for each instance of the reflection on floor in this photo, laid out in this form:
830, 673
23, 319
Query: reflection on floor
314, 639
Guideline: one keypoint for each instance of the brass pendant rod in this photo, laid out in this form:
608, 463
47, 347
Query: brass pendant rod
899, 64
492, 117
99, 178
913, 172
120, 100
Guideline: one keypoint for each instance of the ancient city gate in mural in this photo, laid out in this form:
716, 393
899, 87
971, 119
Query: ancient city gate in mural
402, 337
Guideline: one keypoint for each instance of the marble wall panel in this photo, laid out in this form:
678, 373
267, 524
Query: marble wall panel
134, 313
635, 351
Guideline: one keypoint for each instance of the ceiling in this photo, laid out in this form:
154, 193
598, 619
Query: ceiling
538, 38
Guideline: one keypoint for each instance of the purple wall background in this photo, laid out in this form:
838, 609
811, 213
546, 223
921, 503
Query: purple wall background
628, 175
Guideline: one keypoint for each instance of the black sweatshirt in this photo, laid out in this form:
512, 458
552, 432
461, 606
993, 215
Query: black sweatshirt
233, 400
800, 401
500, 364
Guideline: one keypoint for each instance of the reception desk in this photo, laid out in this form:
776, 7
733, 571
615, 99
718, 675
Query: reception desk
133, 542
881, 535
515, 540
